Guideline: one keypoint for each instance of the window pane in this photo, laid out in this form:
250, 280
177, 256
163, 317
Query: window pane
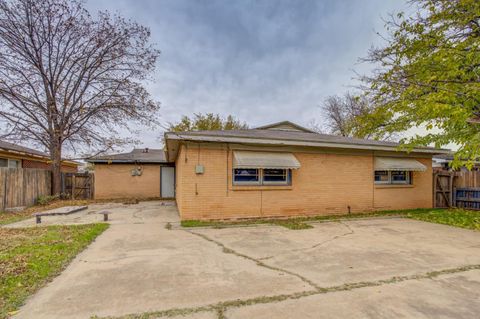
245, 175
3, 162
399, 176
275, 175
13, 163
381, 176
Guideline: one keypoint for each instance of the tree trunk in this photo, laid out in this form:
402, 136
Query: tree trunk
56, 157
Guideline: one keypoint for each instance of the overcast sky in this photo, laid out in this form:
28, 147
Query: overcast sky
261, 61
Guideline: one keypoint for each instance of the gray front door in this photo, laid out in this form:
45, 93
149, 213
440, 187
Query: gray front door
167, 186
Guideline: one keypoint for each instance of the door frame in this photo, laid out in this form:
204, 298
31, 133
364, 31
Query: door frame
174, 181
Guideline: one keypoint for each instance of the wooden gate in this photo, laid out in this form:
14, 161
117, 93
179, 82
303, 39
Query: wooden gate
78, 185
443, 189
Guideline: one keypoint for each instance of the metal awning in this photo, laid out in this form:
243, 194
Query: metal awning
398, 164
248, 159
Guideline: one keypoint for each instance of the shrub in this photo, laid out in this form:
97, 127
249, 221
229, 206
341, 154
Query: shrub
46, 199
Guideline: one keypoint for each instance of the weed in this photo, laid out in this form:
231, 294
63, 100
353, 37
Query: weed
46, 199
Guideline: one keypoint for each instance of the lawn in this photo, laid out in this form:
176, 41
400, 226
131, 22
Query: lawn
453, 217
30, 257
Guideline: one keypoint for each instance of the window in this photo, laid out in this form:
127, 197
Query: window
275, 176
392, 177
400, 177
9, 163
13, 163
246, 176
381, 177
250, 176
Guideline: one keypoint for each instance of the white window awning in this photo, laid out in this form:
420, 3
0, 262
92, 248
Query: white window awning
249, 159
398, 164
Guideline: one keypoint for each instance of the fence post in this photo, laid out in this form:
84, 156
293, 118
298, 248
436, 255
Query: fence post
73, 186
450, 188
454, 197
5, 191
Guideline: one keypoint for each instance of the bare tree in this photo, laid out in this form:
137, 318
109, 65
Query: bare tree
70, 79
344, 113
316, 126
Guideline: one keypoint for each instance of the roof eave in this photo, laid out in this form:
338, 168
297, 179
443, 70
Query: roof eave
126, 162
203, 138
39, 157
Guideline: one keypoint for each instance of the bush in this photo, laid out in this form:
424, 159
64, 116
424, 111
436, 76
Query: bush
46, 199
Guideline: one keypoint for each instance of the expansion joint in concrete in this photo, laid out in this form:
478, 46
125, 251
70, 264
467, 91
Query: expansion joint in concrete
220, 308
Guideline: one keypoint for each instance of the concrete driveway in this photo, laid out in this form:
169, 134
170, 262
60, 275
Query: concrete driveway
379, 268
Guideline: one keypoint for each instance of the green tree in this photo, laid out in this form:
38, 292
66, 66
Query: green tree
428, 75
206, 122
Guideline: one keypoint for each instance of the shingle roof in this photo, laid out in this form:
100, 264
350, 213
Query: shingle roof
137, 155
262, 136
284, 125
22, 149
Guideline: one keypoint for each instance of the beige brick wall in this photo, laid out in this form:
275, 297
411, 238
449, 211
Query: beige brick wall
179, 189
417, 195
116, 181
325, 184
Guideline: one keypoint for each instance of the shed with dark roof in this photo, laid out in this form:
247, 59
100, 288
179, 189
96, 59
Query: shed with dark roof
141, 173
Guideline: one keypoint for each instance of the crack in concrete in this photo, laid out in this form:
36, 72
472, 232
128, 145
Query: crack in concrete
220, 307
349, 232
227, 250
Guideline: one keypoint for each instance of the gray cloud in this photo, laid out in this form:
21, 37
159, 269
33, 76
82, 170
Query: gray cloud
262, 61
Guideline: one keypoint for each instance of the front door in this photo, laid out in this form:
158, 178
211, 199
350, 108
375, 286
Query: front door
167, 186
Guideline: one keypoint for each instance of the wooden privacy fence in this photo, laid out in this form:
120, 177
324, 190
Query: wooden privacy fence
457, 189
21, 187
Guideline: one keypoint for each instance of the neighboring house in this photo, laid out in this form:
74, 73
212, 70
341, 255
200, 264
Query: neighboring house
16, 156
442, 162
278, 170
135, 174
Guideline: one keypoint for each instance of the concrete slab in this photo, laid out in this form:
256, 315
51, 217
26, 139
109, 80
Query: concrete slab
448, 296
121, 214
138, 267
63, 210
332, 254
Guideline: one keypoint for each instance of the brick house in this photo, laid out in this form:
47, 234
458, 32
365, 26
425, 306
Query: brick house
284, 170
16, 156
